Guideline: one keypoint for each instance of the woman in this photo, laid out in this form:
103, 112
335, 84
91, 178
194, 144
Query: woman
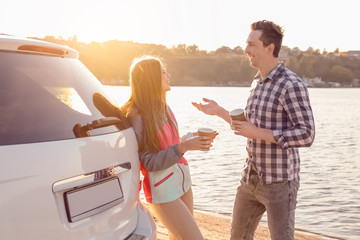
167, 183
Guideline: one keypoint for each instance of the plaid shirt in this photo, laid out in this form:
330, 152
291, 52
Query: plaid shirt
280, 103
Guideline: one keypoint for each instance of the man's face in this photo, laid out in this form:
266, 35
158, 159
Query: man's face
255, 50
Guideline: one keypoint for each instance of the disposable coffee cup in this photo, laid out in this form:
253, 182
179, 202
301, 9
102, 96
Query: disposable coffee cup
238, 114
208, 132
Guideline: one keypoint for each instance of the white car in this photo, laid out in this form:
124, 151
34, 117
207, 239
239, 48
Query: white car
69, 166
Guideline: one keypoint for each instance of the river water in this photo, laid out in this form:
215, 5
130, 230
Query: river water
329, 195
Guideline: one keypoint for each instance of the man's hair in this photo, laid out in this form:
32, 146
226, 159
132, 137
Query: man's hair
271, 33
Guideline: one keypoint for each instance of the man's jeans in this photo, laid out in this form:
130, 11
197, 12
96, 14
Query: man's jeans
254, 198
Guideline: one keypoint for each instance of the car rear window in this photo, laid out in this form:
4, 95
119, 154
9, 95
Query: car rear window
43, 97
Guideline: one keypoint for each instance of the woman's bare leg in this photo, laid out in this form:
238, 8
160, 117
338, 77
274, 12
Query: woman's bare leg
177, 217
188, 199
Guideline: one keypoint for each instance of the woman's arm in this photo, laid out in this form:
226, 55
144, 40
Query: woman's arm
155, 161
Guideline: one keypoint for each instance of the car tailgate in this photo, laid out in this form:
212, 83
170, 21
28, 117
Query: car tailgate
42, 179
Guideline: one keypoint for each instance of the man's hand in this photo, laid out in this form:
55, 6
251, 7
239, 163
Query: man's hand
249, 130
212, 108
244, 128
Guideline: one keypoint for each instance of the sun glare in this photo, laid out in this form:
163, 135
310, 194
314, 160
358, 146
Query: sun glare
96, 22
209, 24
69, 97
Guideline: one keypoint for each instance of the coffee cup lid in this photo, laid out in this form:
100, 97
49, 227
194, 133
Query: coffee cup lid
208, 130
236, 111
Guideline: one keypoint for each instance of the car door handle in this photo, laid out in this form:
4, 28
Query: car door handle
100, 123
81, 180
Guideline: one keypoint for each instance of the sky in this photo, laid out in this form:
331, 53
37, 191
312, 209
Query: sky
209, 24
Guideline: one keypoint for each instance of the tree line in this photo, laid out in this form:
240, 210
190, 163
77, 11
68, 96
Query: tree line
189, 66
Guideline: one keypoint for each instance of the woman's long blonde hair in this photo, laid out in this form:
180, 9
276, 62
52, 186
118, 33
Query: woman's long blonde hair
148, 100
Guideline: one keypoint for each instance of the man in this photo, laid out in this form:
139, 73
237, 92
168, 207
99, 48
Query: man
279, 121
